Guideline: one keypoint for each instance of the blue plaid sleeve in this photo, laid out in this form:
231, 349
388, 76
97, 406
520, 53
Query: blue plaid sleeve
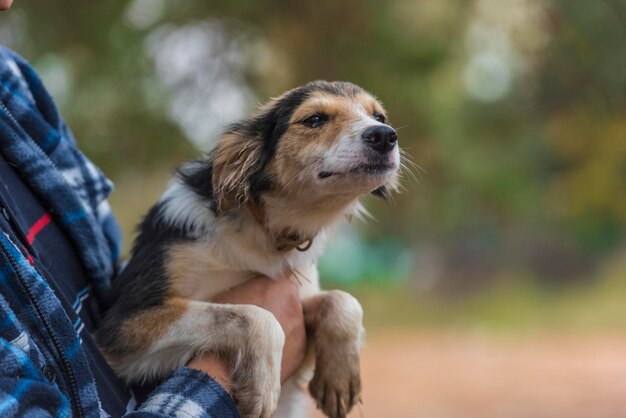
35, 138
24, 392
188, 393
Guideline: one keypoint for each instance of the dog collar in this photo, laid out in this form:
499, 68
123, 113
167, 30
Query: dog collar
284, 241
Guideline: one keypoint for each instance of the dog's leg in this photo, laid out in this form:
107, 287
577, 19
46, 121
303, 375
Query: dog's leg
294, 401
249, 338
334, 321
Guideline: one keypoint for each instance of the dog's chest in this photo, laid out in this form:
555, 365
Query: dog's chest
201, 270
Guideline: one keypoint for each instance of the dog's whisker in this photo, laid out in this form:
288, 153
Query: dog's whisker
300, 174
295, 176
286, 191
299, 274
414, 165
407, 169
402, 188
406, 157
301, 186
297, 279
294, 276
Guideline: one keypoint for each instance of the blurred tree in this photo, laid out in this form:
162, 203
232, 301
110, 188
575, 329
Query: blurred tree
582, 105
516, 108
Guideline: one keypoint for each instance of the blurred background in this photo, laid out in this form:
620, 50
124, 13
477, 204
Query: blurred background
494, 285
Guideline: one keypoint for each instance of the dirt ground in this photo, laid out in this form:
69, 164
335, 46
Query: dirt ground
472, 376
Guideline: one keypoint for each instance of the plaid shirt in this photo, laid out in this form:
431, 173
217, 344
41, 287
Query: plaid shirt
59, 244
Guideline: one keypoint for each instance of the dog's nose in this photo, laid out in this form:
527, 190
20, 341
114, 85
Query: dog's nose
381, 138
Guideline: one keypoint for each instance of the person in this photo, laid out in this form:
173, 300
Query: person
59, 247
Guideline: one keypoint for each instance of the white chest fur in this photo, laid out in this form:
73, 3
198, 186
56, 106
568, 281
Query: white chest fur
228, 250
234, 247
201, 270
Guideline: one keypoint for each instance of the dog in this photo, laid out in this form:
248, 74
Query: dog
261, 203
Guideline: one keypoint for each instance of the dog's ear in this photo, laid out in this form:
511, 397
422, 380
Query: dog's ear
235, 160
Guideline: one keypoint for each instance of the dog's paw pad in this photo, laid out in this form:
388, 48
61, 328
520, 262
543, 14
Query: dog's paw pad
336, 389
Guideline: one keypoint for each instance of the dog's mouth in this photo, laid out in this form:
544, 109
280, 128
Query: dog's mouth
326, 174
367, 169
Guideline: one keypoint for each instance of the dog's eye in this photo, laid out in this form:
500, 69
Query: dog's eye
379, 117
315, 121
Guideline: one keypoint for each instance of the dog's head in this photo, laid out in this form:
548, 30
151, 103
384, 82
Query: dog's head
324, 140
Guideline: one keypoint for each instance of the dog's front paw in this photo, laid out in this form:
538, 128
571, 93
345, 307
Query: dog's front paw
256, 372
258, 396
336, 384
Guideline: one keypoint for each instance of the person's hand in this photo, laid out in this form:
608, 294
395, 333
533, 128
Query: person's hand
280, 297
5, 4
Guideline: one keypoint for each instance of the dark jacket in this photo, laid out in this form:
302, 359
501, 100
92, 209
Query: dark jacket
59, 245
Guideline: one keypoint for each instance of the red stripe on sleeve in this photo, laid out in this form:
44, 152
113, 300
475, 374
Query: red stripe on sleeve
37, 227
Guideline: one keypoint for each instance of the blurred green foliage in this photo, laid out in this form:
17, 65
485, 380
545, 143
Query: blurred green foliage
513, 304
516, 111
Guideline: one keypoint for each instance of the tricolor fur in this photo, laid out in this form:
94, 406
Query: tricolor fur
261, 203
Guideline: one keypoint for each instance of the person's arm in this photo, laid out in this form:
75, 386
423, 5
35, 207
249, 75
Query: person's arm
25, 391
188, 393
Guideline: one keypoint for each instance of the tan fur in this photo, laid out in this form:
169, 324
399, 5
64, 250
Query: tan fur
187, 261
140, 331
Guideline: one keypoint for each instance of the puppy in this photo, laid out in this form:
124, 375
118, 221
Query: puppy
260, 203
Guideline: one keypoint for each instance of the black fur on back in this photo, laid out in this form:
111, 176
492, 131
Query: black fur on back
198, 176
143, 284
